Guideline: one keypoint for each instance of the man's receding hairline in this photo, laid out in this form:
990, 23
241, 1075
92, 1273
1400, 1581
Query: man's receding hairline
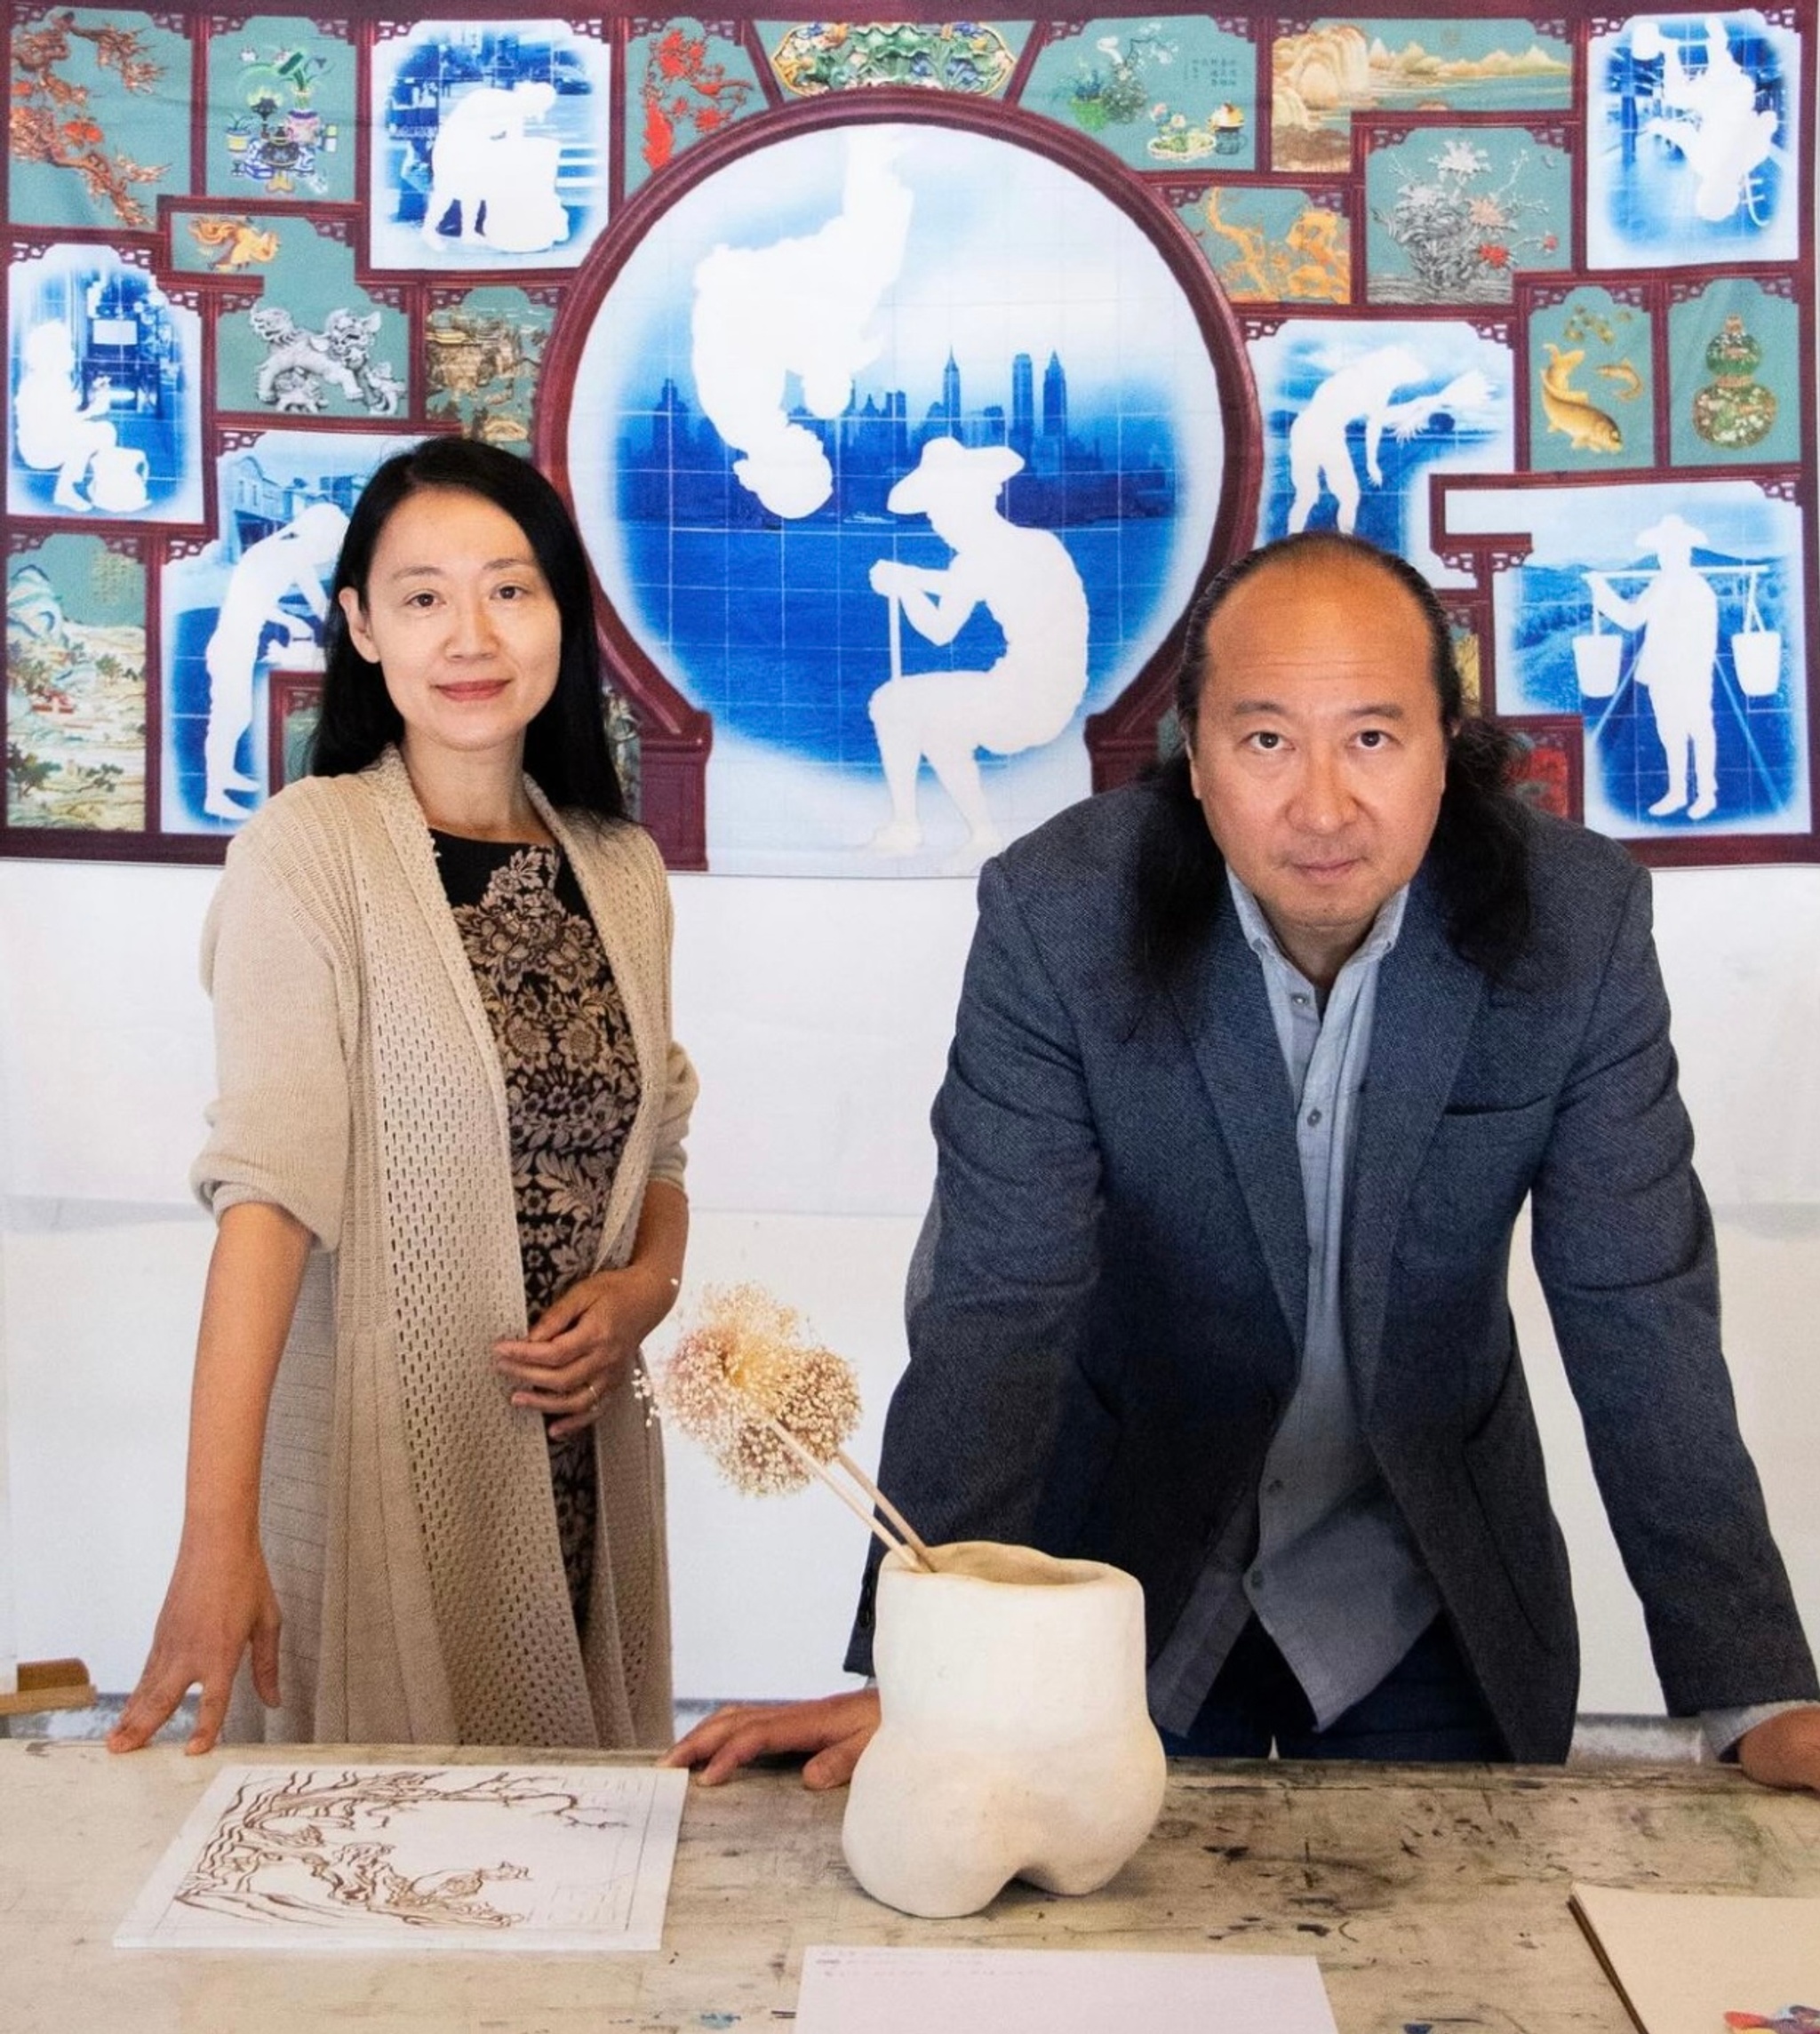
1319, 555
1308, 560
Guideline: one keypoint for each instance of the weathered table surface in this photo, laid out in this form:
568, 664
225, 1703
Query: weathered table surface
1432, 1896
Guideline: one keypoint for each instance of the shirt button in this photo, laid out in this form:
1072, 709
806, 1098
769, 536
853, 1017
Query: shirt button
1255, 1578
1299, 998
1313, 1118
1274, 1487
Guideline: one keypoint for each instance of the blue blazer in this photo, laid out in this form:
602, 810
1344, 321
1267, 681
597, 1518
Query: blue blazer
1106, 1311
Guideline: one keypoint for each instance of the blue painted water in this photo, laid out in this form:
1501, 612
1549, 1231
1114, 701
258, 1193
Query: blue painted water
779, 634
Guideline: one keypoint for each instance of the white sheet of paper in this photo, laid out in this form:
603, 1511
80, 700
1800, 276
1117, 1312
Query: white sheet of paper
1057, 1991
544, 1858
1684, 1960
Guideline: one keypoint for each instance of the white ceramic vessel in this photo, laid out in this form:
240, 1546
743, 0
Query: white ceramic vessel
1014, 1740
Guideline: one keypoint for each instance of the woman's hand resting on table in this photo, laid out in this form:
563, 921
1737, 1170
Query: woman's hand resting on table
835, 1730
220, 1600
219, 1604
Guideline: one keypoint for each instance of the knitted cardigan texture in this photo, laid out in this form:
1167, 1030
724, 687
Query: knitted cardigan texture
406, 1509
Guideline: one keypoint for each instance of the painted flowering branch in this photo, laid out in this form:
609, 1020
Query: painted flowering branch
1456, 231
772, 1408
51, 121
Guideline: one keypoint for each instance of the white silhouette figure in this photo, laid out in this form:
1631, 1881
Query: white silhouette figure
803, 308
295, 557
1027, 582
501, 179
56, 432
117, 479
1717, 127
1678, 612
1321, 459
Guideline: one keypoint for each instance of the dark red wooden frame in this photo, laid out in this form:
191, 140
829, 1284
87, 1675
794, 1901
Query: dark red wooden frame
675, 735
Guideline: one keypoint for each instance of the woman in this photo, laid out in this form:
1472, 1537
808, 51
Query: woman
446, 1163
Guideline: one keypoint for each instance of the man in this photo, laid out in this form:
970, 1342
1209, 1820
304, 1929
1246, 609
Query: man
1253, 1071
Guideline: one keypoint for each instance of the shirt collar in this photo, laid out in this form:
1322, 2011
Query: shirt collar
1264, 943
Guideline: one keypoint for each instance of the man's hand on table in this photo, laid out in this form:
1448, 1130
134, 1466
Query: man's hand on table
1784, 1752
835, 1730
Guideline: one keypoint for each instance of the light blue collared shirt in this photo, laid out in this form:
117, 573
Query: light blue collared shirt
1335, 1577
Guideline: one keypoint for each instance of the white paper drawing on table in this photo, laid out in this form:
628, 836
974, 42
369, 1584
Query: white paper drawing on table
1701, 1963
870, 1991
365, 1858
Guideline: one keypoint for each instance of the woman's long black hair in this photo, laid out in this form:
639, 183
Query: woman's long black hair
565, 746
1479, 858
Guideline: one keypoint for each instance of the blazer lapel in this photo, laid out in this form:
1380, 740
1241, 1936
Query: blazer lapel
1428, 1000
1225, 1011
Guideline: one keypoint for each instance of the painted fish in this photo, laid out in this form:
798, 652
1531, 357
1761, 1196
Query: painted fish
1568, 410
241, 241
1630, 382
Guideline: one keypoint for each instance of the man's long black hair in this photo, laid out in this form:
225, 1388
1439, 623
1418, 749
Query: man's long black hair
566, 748
1478, 858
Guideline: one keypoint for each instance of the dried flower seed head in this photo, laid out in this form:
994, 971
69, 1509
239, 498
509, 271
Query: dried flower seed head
746, 1362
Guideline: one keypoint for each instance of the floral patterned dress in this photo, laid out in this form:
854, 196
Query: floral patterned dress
571, 1090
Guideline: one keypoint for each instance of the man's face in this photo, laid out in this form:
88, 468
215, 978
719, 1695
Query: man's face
1319, 754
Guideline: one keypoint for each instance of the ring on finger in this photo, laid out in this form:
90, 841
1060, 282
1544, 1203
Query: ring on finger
594, 1396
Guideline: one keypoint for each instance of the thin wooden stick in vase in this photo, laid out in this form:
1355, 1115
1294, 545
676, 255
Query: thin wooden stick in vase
885, 1505
867, 1518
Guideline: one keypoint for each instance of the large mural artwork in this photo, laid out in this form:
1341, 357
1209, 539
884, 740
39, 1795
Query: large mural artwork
906, 377
976, 455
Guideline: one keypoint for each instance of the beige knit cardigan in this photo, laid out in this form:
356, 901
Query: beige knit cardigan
406, 1508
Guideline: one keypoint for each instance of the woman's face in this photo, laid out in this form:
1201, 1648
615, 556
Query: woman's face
460, 620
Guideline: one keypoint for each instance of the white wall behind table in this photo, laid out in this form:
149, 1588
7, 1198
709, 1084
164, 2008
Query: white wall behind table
105, 1066
819, 1014
1742, 956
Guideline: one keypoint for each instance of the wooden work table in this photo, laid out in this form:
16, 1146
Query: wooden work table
1434, 1897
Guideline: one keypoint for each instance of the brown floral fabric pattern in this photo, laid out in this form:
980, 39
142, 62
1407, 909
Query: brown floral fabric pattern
571, 1091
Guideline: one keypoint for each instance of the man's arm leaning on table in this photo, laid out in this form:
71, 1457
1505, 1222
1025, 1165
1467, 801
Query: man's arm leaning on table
1624, 1249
